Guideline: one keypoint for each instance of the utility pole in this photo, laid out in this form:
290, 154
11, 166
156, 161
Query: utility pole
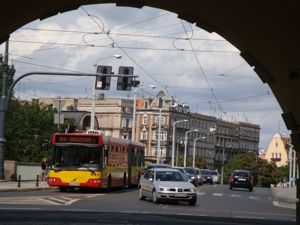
3, 110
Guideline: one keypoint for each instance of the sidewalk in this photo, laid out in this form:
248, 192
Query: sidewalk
286, 197
6, 186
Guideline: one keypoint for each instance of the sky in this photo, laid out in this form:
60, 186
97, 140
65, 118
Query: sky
197, 68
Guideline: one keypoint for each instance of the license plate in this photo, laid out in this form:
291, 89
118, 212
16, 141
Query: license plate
181, 195
74, 184
241, 179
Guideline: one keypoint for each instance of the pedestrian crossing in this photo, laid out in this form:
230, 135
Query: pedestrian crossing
59, 200
217, 194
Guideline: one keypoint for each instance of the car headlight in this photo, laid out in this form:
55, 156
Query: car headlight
164, 189
193, 190
193, 178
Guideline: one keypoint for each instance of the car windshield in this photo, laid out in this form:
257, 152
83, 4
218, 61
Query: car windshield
190, 170
213, 173
169, 176
241, 174
180, 169
205, 172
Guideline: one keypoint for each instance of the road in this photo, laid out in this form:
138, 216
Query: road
216, 204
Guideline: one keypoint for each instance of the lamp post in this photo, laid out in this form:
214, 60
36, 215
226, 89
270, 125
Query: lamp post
185, 145
173, 139
92, 122
159, 137
194, 149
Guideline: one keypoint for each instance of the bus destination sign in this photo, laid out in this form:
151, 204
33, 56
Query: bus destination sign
77, 139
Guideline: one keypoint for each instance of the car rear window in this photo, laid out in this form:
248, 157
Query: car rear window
241, 173
213, 173
205, 172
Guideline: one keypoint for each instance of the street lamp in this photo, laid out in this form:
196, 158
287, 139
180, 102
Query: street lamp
159, 137
92, 122
173, 139
194, 149
185, 145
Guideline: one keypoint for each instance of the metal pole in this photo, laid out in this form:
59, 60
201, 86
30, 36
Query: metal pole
290, 169
185, 149
194, 152
92, 124
294, 167
3, 110
134, 116
173, 143
159, 137
222, 169
173, 139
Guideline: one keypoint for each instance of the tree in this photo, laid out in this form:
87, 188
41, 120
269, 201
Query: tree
28, 125
199, 162
264, 173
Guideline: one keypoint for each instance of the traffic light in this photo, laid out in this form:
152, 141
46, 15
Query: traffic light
125, 80
103, 81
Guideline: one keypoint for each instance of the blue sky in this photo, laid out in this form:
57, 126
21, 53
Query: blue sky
198, 68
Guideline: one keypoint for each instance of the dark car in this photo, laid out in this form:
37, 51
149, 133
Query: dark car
241, 179
192, 174
206, 176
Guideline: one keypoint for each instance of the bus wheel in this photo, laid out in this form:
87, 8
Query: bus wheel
124, 180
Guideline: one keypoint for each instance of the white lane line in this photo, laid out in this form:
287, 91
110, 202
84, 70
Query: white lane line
235, 196
95, 195
49, 201
71, 202
249, 217
253, 197
201, 193
63, 201
217, 194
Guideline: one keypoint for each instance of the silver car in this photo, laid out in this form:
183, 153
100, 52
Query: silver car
166, 184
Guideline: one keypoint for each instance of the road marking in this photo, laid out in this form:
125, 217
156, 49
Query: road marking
95, 195
235, 196
59, 200
249, 217
217, 194
253, 197
201, 193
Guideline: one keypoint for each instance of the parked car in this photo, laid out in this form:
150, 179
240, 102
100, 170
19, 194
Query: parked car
192, 174
241, 179
216, 178
206, 176
156, 165
167, 184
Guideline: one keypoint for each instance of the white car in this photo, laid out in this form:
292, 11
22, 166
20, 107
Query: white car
167, 184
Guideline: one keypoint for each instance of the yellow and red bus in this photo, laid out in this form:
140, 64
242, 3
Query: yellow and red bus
92, 160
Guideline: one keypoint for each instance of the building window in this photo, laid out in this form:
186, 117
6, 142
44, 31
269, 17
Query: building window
146, 105
144, 135
162, 121
144, 119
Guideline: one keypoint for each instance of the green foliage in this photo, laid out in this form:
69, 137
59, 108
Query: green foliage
28, 125
264, 173
199, 162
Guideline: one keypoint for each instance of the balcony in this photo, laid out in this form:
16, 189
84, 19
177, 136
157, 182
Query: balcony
126, 129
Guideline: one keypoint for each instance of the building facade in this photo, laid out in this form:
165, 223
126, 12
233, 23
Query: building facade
216, 141
278, 150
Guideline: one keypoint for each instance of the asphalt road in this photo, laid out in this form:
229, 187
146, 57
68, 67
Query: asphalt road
216, 205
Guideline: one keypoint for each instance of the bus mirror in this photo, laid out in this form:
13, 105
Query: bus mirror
105, 151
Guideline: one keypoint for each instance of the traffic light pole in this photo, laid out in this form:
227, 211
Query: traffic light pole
3, 110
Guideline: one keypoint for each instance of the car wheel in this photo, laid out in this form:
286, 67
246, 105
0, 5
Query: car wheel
230, 187
141, 196
155, 199
62, 189
251, 189
192, 201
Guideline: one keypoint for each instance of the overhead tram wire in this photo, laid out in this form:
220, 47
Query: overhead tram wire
167, 36
202, 70
132, 59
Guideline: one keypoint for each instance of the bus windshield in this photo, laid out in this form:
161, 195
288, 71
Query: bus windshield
78, 157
